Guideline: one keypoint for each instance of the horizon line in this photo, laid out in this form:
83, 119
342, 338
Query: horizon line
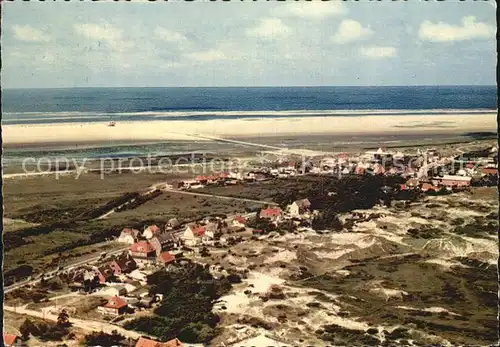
264, 86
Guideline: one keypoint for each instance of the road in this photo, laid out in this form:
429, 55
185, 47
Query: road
88, 325
219, 196
65, 267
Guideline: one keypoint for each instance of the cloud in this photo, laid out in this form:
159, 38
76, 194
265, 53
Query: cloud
210, 55
350, 31
376, 52
443, 32
29, 34
106, 33
169, 35
313, 9
270, 28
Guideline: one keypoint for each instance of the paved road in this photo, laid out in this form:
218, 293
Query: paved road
225, 197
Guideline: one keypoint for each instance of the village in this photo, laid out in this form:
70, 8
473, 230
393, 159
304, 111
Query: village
122, 278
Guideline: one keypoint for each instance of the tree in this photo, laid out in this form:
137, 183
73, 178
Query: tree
103, 339
27, 329
63, 318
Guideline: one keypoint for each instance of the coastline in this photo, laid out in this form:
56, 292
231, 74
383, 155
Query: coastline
80, 134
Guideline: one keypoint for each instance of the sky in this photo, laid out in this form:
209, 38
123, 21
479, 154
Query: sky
170, 44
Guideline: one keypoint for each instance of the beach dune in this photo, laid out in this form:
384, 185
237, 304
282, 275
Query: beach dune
153, 131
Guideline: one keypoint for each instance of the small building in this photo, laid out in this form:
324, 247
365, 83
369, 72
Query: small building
151, 231
454, 181
378, 169
412, 183
272, 213
115, 306
128, 235
172, 224
105, 273
299, 207
239, 222
11, 340
114, 290
145, 342
143, 253
360, 170
489, 171
165, 258
427, 186
123, 265
193, 235
162, 241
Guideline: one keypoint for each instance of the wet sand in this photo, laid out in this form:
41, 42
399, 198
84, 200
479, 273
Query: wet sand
78, 134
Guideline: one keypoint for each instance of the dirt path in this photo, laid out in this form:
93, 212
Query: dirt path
78, 323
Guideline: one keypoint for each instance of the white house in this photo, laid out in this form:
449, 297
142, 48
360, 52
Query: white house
128, 236
239, 222
193, 235
299, 207
151, 231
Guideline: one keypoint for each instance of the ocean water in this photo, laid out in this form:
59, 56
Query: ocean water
31, 106
38, 106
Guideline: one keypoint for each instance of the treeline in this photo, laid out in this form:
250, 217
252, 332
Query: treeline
139, 200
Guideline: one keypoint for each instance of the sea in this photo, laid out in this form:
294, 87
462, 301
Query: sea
75, 105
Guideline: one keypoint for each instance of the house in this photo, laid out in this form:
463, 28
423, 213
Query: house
212, 230
115, 306
123, 265
128, 235
412, 183
115, 290
165, 258
11, 340
360, 170
193, 235
489, 171
151, 231
454, 181
299, 207
239, 222
257, 231
272, 213
105, 273
172, 224
378, 169
145, 342
143, 252
427, 186
163, 241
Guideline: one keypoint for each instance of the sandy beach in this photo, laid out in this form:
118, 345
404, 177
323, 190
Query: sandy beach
152, 131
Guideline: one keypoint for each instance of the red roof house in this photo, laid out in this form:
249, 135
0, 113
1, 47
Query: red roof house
10, 340
239, 221
271, 213
145, 342
489, 170
115, 306
105, 273
428, 186
166, 258
142, 249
